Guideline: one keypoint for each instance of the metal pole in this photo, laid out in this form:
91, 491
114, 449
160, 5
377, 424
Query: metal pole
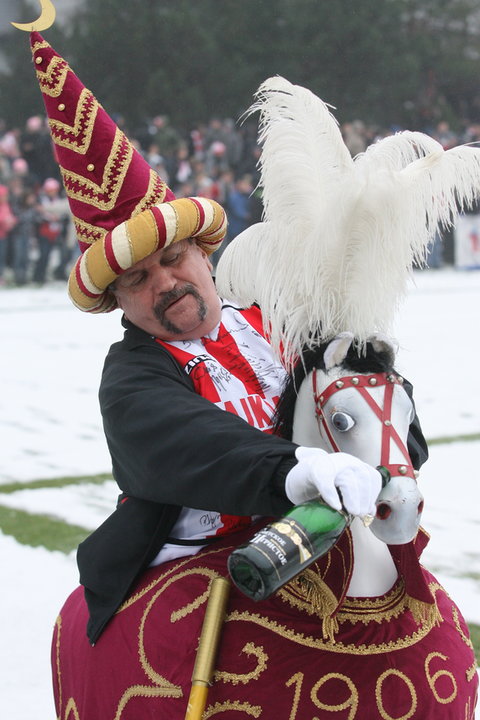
207, 648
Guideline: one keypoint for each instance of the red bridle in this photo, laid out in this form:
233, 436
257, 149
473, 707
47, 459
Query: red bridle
362, 383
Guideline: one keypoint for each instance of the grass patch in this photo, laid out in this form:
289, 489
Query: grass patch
446, 439
475, 636
55, 483
41, 530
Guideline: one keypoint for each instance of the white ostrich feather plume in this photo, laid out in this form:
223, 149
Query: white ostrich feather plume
340, 235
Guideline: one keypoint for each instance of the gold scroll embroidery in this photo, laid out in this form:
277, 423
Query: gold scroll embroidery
144, 691
235, 678
470, 674
147, 667
212, 710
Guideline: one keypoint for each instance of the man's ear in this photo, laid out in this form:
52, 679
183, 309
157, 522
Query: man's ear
206, 257
118, 299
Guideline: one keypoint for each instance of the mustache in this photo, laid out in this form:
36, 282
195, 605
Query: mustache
170, 297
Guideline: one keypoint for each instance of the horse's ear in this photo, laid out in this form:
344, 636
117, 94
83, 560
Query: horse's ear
337, 350
385, 344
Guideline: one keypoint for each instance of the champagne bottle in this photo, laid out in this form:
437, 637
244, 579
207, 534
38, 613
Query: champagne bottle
282, 549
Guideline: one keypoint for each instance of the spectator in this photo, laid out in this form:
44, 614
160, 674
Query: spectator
444, 135
7, 223
36, 149
54, 210
238, 206
23, 234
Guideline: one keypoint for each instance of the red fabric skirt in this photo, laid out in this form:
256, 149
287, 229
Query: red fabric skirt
278, 659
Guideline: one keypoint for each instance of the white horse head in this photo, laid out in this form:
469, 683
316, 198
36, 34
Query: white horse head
358, 404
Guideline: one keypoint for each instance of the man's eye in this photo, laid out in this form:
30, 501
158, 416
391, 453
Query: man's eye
171, 259
134, 281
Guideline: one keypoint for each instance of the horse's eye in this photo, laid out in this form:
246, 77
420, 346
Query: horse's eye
342, 422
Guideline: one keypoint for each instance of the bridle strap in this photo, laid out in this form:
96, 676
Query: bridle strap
319, 402
389, 434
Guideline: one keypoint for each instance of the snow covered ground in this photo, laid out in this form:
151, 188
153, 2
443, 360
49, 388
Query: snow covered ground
50, 363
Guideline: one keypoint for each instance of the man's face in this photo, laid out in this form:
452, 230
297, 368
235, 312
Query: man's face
171, 294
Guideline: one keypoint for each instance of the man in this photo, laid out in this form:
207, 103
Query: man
187, 399
188, 470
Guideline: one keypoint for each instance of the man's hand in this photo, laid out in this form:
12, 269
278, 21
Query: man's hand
338, 478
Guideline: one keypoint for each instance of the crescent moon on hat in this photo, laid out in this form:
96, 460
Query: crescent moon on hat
46, 19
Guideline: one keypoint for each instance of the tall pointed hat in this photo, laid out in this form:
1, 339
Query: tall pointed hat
122, 210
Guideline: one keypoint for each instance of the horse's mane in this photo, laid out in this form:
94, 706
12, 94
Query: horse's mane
369, 361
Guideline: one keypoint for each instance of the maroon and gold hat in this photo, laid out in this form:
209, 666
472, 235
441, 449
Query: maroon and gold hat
122, 210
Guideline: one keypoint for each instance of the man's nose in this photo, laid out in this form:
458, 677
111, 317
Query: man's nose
162, 278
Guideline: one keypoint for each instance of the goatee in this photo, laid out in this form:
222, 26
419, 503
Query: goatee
169, 298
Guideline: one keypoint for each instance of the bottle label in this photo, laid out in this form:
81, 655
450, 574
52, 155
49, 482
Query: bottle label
284, 542
282, 549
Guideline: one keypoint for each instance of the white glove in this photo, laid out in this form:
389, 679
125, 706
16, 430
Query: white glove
318, 473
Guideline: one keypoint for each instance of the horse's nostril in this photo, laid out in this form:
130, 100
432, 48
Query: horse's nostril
383, 511
420, 507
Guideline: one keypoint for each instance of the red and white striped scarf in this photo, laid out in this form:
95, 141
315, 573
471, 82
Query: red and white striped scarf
234, 368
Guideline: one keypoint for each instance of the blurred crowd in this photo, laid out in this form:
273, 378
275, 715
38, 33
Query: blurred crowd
218, 160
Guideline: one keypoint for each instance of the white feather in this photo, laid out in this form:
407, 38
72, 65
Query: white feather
340, 236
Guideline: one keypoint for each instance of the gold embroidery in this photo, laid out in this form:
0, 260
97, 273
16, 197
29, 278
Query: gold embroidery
77, 137
431, 679
156, 192
71, 708
470, 709
252, 710
378, 695
351, 702
102, 196
298, 680
376, 609
149, 671
190, 607
310, 593
249, 649
390, 606
52, 80
456, 620
39, 46
328, 645
88, 233
191, 558
58, 625
423, 611
145, 691
470, 674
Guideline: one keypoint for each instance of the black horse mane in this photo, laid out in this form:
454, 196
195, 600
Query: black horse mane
370, 361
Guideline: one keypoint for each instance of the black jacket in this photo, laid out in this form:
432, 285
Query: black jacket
170, 447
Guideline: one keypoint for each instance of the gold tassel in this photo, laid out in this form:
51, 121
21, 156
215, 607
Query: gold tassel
423, 612
319, 599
